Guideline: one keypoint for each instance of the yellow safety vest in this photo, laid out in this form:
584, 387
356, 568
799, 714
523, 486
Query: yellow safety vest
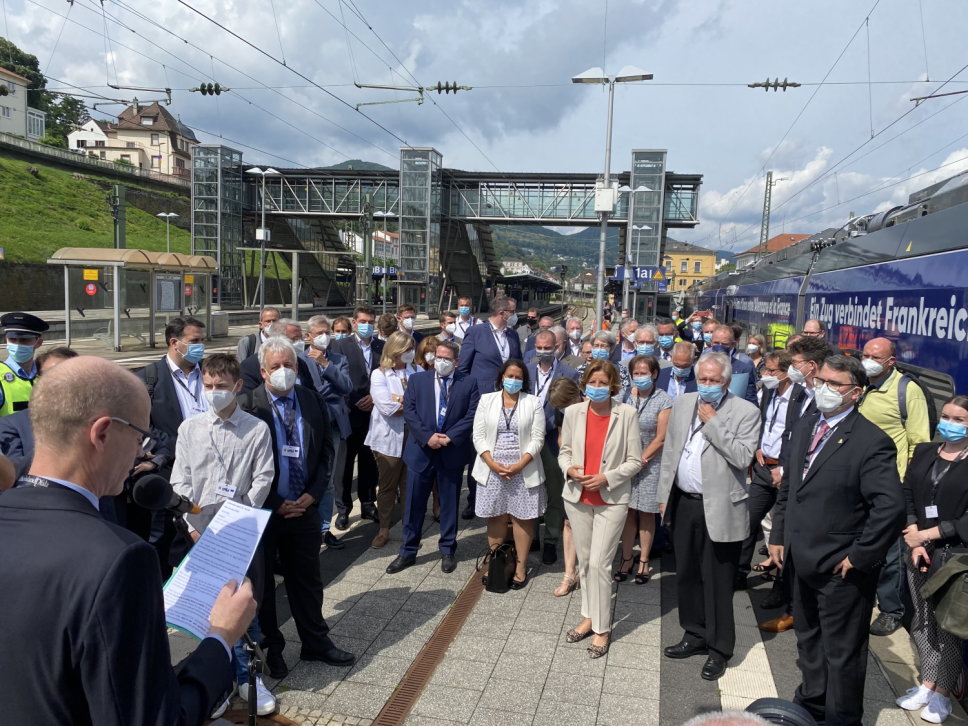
16, 391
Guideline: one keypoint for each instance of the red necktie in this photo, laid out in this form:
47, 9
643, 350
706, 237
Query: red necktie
822, 430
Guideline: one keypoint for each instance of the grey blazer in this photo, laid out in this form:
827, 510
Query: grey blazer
732, 437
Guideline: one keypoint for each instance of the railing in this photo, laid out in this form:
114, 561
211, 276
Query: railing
85, 161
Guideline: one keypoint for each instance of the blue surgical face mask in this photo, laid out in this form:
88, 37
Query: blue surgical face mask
951, 431
340, 336
710, 394
642, 382
599, 353
19, 352
464, 310
681, 372
365, 330
593, 393
645, 349
666, 341
697, 326
195, 352
512, 385
707, 338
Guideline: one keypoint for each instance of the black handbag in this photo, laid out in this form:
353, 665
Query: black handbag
947, 590
498, 564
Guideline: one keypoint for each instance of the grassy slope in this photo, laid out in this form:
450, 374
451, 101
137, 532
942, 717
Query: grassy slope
39, 215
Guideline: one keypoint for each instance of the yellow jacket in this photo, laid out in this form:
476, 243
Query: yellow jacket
880, 407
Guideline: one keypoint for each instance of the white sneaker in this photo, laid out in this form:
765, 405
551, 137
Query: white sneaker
937, 710
220, 710
915, 698
265, 701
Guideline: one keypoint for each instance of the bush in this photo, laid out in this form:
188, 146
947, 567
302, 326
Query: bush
57, 141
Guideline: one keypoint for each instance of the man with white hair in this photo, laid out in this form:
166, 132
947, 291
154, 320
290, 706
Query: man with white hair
710, 441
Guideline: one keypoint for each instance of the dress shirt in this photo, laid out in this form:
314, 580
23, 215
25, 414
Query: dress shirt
574, 347
689, 473
501, 341
188, 389
664, 354
807, 399
463, 326
832, 423
627, 354
282, 438
675, 386
367, 350
543, 380
86, 493
450, 387
775, 424
235, 453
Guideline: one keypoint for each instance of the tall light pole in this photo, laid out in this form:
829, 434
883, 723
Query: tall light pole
386, 236
262, 234
167, 216
605, 193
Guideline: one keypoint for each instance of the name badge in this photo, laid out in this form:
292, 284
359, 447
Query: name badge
931, 512
224, 489
291, 452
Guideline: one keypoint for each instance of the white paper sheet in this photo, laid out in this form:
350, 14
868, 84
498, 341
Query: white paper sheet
223, 552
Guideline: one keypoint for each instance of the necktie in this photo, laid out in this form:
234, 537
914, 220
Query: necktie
297, 480
442, 406
822, 430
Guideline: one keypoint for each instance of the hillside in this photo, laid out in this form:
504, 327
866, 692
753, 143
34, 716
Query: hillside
359, 165
544, 248
40, 214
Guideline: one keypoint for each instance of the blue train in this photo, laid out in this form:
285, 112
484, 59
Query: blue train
901, 274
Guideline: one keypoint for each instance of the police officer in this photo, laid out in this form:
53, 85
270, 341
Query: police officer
24, 335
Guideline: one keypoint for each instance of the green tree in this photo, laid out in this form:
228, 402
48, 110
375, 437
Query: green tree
63, 112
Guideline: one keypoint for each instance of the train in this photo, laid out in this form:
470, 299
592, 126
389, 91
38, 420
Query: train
900, 274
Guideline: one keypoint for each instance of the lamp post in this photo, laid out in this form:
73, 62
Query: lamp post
605, 194
262, 234
386, 234
167, 216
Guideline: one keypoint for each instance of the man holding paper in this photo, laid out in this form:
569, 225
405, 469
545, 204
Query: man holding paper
83, 628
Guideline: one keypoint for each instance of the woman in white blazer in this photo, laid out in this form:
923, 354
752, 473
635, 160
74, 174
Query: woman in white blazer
509, 431
385, 437
600, 453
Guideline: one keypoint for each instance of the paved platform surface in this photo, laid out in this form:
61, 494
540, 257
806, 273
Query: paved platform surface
510, 664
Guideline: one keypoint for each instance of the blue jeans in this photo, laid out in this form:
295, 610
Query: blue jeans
329, 496
892, 588
241, 655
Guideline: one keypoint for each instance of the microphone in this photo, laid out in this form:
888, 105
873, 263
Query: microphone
155, 493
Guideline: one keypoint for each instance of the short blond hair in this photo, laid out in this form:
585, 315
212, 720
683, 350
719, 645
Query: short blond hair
396, 344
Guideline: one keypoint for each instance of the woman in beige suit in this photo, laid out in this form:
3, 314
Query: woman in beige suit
600, 453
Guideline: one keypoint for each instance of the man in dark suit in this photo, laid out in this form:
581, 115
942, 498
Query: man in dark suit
96, 650
438, 408
303, 452
483, 351
362, 351
174, 386
406, 318
252, 368
679, 377
839, 509
541, 372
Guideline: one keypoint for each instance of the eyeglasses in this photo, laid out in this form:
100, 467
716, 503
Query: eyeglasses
817, 382
773, 371
146, 440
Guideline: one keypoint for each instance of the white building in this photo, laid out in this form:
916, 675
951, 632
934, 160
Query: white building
16, 117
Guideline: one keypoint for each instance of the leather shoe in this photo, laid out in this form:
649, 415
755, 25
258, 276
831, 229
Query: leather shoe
713, 668
276, 664
777, 625
885, 624
342, 521
740, 583
331, 655
400, 564
369, 512
550, 553
468, 512
332, 542
448, 563
684, 649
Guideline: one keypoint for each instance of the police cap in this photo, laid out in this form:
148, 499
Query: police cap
23, 323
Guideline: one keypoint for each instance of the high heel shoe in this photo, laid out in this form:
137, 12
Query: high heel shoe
568, 584
622, 575
643, 577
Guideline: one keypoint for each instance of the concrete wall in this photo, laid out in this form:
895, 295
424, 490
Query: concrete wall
29, 286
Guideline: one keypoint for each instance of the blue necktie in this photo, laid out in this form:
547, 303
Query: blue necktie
442, 405
297, 481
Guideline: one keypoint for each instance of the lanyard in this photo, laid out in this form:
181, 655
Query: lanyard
641, 403
464, 326
776, 410
442, 385
500, 339
938, 471
198, 385
538, 373
508, 417
218, 453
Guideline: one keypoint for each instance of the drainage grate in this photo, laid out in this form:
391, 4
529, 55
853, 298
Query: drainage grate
401, 702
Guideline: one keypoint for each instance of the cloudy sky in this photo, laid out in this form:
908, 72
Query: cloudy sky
860, 63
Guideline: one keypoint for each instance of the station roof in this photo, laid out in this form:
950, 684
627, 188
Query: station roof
132, 259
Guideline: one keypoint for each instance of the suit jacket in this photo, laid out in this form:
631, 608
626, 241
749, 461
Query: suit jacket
951, 497
83, 627
166, 413
562, 370
480, 357
531, 435
251, 369
849, 504
662, 382
320, 452
621, 455
359, 370
797, 394
420, 415
332, 384
732, 437
17, 440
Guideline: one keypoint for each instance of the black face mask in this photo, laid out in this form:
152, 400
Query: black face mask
531, 321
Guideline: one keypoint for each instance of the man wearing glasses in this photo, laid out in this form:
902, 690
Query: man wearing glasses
839, 509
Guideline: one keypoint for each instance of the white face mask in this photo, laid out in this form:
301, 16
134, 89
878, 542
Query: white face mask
513, 320
300, 346
321, 341
751, 349
450, 329
282, 379
827, 399
408, 323
574, 334
429, 357
443, 366
407, 358
796, 375
219, 399
872, 368
770, 382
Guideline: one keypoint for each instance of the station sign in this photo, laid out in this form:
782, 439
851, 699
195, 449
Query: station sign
392, 271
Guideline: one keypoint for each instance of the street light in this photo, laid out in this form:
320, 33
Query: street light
262, 234
605, 195
386, 234
167, 216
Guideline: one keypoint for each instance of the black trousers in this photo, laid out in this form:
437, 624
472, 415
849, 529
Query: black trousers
297, 541
761, 501
831, 620
705, 571
366, 474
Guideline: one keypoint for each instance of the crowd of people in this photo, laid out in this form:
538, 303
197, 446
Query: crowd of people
569, 438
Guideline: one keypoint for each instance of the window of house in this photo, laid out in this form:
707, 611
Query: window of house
98, 142
81, 143
147, 120
104, 155
698, 267
11, 88
155, 162
684, 266
126, 157
5, 111
179, 163
154, 139
129, 144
